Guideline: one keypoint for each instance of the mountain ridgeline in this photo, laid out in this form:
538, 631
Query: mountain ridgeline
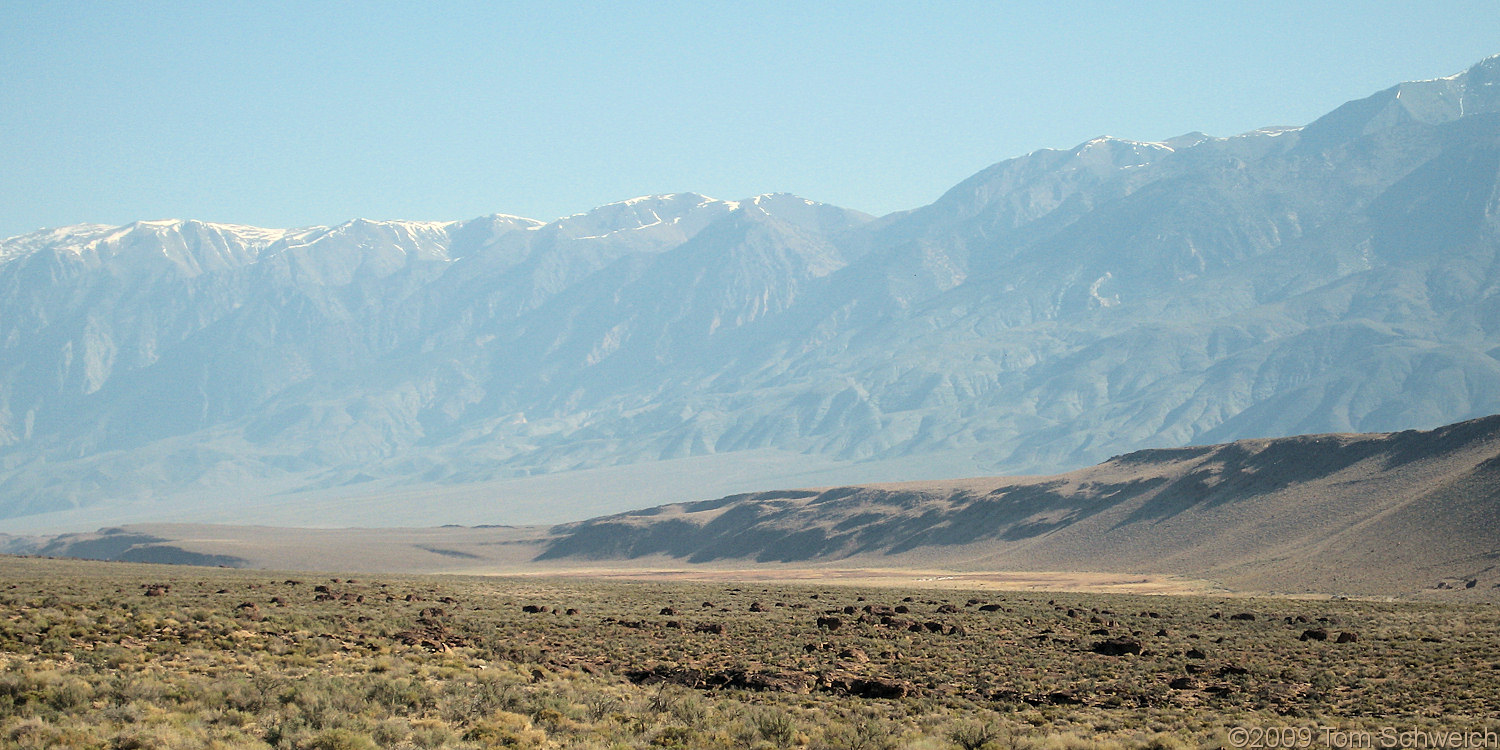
1048, 312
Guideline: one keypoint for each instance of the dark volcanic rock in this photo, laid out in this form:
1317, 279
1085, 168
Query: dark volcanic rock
1118, 647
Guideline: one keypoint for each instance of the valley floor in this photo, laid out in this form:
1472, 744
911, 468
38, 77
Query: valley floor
1060, 581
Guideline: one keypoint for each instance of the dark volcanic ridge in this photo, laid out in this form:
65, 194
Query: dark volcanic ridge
118, 544
1331, 513
1391, 514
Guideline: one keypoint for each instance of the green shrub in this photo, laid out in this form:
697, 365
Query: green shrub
506, 729
774, 726
974, 735
340, 739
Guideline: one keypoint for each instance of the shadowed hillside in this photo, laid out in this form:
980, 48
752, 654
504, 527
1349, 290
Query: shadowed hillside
1381, 513
1394, 514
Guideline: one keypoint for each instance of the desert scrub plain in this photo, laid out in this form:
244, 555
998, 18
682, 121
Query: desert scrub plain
110, 655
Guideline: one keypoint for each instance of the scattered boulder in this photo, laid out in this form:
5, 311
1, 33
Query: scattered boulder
1182, 683
990, 608
432, 636
1314, 634
947, 609
757, 607
830, 623
1194, 653
1118, 647
854, 654
790, 682
1244, 616
1347, 637
714, 628
667, 611
868, 688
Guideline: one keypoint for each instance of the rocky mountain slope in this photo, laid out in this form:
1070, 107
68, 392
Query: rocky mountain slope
1050, 311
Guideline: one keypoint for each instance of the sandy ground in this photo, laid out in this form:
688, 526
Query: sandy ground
988, 581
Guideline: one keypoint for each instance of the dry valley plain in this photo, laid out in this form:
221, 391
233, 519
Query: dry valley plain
117, 655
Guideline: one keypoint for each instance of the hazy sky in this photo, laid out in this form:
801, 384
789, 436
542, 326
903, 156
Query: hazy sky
314, 113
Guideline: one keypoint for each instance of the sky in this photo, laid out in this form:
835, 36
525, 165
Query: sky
296, 114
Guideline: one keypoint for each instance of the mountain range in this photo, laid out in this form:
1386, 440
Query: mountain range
1049, 312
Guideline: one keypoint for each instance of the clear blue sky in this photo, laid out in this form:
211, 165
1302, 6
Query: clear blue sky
314, 113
